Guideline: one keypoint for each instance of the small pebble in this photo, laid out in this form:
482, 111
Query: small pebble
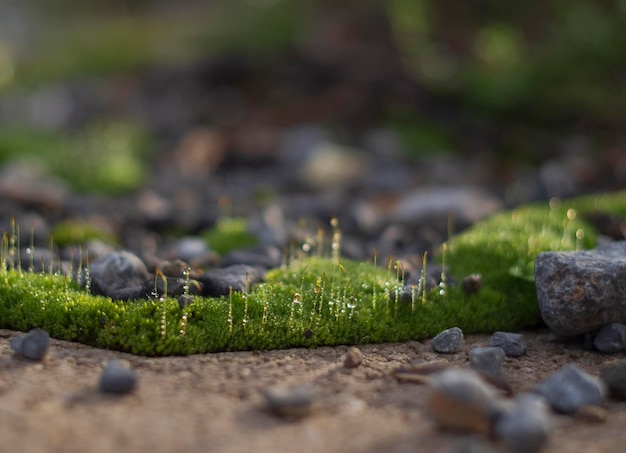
184, 301
448, 342
513, 344
611, 338
471, 284
353, 358
117, 378
570, 388
526, 426
613, 374
32, 345
487, 359
461, 400
290, 402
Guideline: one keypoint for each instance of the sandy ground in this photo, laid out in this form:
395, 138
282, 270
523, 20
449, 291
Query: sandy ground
214, 402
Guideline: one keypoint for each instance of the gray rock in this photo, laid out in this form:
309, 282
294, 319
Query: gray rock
32, 345
582, 291
238, 277
116, 271
613, 374
268, 257
570, 388
525, 427
513, 344
489, 359
184, 301
611, 338
448, 342
466, 204
117, 378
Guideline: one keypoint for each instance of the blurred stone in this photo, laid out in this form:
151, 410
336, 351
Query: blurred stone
353, 358
290, 402
613, 374
513, 344
117, 378
611, 338
32, 345
570, 388
466, 205
460, 400
525, 427
471, 283
487, 359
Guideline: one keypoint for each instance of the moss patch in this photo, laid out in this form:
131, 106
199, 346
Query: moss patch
320, 300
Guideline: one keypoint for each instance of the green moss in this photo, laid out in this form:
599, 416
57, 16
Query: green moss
319, 300
228, 234
71, 232
107, 157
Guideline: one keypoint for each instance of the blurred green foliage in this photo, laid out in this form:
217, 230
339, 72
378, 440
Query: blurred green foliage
107, 157
553, 59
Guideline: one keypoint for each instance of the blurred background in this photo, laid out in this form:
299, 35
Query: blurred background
106, 95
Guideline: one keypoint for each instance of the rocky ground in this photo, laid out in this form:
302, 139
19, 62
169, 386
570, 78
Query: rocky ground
288, 169
214, 402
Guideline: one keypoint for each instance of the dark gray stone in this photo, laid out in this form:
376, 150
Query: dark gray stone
570, 388
489, 359
115, 271
117, 378
268, 257
32, 345
613, 374
525, 427
582, 291
239, 277
611, 338
513, 344
184, 301
449, 341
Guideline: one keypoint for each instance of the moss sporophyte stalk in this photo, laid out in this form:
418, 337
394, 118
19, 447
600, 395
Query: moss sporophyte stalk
314, 299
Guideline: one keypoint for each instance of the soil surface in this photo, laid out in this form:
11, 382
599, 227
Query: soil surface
215, 402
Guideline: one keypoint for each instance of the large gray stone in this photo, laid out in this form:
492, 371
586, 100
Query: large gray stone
581, 291
118, 271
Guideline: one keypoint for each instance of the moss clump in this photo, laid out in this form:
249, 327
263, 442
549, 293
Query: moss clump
318, 300
107, 157
228, 234
71, 232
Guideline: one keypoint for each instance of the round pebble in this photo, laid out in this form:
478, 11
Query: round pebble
448, 342
116, 378
32, 345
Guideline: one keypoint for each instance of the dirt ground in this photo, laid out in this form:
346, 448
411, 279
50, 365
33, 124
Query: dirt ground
214, 402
